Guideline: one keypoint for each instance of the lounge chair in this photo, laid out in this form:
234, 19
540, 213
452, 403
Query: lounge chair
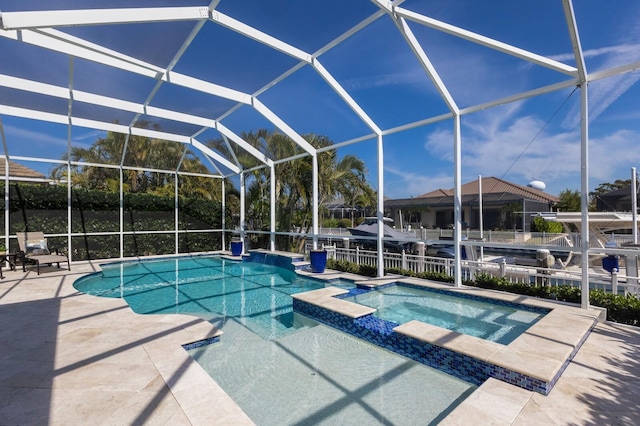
33, 245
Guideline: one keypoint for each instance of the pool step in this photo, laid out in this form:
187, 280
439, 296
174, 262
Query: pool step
291, 261
300, 265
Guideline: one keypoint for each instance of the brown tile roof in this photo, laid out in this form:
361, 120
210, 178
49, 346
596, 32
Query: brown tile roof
492, 185
18, 170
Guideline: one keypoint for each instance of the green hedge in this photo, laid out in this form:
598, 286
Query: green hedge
435, 276
353, 268
44, 208
620, 309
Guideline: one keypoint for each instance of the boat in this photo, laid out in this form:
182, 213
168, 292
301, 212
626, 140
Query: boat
369, 228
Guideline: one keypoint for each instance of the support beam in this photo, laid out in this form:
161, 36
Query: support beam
430, 70
272, 227
176, 215
634, 204
485, 41
259, 36
69, 17
118, 128
6, 185
316, 192
422, 57
584, 147
346, 97
284, 127
224, 214
457, 200
260, 156
380, 212
243, 195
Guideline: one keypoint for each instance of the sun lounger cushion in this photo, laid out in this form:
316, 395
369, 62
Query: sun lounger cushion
37, 247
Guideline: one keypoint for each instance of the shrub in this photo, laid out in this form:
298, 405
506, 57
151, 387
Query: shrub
622, 309
541, 225
344, 223
428, 275
330, 223
352, 268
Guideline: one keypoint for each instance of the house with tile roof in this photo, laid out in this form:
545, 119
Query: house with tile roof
18, 172
505, 206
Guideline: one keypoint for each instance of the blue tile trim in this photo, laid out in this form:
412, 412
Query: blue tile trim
201, 343
380, 332
153, 259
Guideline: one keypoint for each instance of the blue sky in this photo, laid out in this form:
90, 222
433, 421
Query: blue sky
538, 138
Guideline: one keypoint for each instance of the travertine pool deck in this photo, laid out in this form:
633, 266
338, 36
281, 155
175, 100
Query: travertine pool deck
68, 358
534, 360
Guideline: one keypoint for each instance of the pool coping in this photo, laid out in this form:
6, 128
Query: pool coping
534, 361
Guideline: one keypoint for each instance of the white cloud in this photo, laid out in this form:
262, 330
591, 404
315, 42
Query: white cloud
39, 138
384, 80
623, 50
93, 135
26, 135
501, 146
605, 92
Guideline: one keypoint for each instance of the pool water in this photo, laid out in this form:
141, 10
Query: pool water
207, 286
281, 367
490, 321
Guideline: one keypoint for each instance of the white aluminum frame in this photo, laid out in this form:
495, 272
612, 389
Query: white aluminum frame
39, 28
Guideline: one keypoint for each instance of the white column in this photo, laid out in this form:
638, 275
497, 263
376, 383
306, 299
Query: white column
7, 211
69, 211
272, 236
121, 212
242, 202
480, 217
584, 205
634, 205
224, 215
380, 213
584, 147
314, 158
176, 217
457, 203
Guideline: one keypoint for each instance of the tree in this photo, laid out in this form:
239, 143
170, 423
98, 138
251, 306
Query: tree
541, 225
570, 201
142, 153
294, 179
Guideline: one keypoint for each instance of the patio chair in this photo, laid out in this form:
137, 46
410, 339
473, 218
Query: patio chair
33, 247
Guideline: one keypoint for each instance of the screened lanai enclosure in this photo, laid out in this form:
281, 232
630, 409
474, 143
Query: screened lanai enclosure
154, 122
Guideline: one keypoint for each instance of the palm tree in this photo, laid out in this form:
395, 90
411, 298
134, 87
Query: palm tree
294, 180
141, 152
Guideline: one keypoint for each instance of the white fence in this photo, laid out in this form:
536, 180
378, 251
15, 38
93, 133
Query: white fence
513, 273
507, 237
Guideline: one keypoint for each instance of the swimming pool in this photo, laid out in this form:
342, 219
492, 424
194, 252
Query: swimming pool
501, 323
281, 367
209, 287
